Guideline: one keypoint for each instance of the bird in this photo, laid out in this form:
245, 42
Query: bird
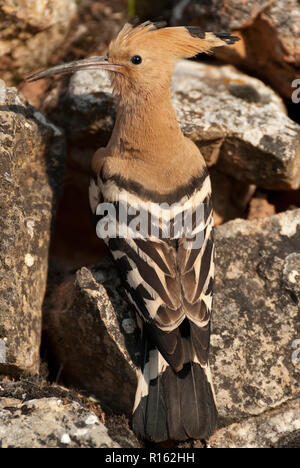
151, 167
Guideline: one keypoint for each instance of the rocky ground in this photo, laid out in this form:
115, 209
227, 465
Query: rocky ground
68, 341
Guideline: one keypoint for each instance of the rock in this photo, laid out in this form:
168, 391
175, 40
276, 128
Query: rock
50, 423
270, 32
91, 108
239, 124
31, 32
255, 325
255, 319
36, 388
230, 197
90, 334
291, 275
119, 430
260, 207
275, 429
31, 167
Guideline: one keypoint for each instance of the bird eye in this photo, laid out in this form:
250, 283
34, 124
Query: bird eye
136, 59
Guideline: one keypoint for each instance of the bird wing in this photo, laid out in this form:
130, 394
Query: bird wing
167, 275
196, 264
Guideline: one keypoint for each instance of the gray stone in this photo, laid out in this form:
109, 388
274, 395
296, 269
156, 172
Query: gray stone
276, 428
30, 33
239, 124
31, 167
256, 315
91, 108
91, 335
50, 423
291, 274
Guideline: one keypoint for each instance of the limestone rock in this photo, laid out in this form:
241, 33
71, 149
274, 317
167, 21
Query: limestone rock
260, 207
279, 428
50, 423
91, 108
31, 32
238, 123
31, 167
256, 315
91, 336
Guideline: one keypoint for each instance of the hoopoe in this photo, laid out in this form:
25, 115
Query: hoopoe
168, 279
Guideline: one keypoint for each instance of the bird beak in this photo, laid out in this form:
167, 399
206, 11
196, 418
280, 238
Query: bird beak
91, 63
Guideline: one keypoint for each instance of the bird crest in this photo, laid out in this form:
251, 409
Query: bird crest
178, 42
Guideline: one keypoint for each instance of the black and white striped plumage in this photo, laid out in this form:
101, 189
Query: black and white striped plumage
170, 285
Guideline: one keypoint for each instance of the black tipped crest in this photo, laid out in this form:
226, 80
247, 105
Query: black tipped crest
227, 37
159, 24
196, 32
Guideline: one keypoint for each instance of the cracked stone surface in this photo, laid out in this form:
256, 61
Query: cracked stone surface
256, 315
91, 334
31, 31
279, 428
50, 422
239, 124
31, 167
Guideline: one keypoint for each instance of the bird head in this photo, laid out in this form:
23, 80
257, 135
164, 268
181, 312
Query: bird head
141, 58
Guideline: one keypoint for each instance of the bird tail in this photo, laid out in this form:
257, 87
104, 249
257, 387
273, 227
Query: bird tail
173, 405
